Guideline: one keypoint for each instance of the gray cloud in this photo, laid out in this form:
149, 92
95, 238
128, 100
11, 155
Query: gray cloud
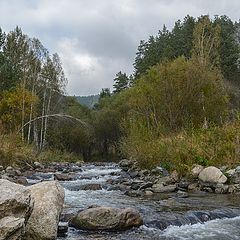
97, 38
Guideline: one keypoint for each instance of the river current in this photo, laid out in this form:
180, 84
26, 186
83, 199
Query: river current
163, 206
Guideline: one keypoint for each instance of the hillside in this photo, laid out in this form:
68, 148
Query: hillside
88, 101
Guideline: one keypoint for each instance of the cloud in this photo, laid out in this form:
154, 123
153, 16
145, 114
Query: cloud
97, 38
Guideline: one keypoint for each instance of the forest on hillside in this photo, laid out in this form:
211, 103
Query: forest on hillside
180, 106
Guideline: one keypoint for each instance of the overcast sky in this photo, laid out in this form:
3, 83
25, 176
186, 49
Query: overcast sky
97, 38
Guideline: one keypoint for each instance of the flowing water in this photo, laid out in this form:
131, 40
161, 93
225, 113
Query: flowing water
155, 210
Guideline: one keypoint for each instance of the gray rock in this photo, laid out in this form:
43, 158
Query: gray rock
221, 188
90, 186
15, 200
106, 218
133, 193
22, 181
207, 189
165, 180
193, 187
63, 177
43, 222
160, 188
183, 184
237, 169
230, 172
212, 175
38, 165
196, 170
118, 187
12, 228
148, 193
10, 171
235, 176
146, 185
174, 176
125, 163
160, 171
62, 229
181, 194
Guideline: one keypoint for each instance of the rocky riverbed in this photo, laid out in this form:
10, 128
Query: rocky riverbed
119, 201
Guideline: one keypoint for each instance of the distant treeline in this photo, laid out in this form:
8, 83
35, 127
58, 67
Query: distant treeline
88, 101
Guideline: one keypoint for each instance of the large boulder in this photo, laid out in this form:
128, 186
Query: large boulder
106, 218
212, 175
43, 222
15, 200
12, 228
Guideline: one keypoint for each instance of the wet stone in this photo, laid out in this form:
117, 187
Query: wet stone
62, 229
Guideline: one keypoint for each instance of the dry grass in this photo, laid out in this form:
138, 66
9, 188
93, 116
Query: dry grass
13, 152
216, 146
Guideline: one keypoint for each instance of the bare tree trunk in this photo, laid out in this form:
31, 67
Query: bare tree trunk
42, 122
35, 134
30, 116
46, 119
23, 103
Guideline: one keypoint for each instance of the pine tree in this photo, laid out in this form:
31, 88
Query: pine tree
121, 82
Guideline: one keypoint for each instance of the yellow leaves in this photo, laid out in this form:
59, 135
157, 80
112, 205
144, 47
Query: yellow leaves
12, 104
206, 43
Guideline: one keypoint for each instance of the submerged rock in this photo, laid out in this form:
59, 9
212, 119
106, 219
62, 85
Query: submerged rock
63, 177
43, 222
62, 229
107, 218
85, 187
194, 217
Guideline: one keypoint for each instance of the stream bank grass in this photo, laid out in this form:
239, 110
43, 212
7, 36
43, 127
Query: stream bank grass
215, 146
15, 152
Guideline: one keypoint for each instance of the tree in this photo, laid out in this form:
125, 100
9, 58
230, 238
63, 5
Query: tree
105, 93
121, 82
11, 107
206, 43
176, 95
182, 37
229, 48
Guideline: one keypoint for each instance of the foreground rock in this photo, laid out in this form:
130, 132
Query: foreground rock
212, 175
43, 222
15, 208
106, 218
12, 228
15, 200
